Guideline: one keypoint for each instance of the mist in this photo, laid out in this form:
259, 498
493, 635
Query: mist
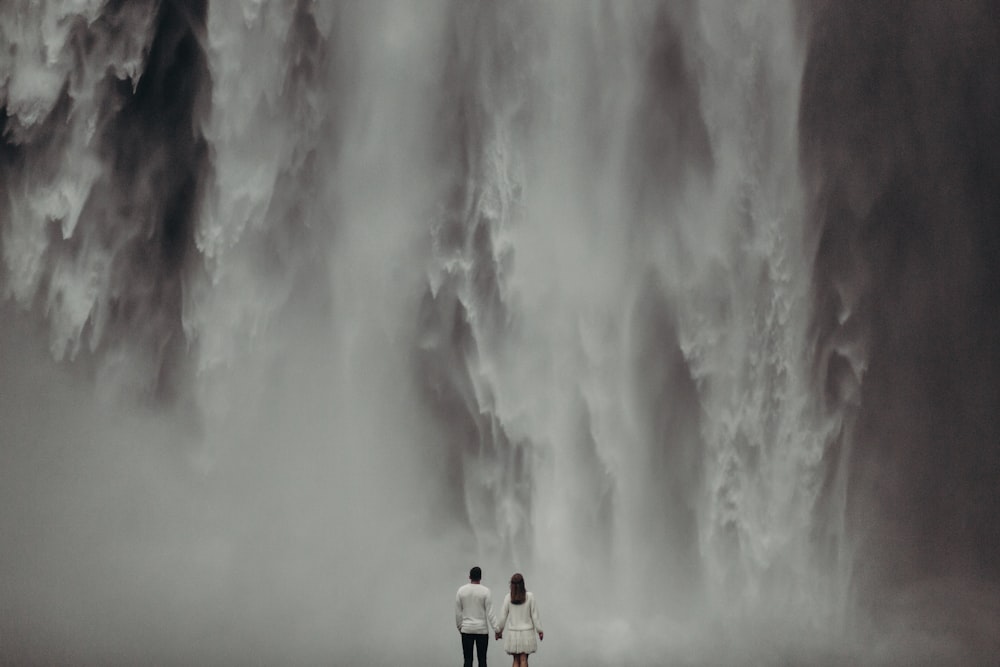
683, 310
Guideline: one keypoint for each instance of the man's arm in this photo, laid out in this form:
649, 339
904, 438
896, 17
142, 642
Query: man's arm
458, 612
490, 616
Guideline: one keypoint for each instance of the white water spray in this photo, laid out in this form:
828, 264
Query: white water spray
405, 287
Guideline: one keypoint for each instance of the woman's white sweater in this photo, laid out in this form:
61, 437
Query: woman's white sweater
520, 616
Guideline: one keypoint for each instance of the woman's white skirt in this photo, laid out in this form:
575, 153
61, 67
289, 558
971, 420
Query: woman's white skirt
519, 641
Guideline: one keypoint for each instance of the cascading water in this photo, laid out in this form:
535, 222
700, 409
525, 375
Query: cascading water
598, 291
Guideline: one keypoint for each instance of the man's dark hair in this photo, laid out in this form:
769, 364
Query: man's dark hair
476, 574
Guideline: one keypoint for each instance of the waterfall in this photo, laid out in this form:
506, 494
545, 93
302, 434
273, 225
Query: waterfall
311, 306
629, 267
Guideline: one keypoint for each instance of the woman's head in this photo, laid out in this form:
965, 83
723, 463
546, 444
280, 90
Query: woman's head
517, 591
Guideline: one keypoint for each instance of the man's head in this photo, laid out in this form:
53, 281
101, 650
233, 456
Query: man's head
475, 574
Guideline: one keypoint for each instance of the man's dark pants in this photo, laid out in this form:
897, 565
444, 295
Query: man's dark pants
480, 641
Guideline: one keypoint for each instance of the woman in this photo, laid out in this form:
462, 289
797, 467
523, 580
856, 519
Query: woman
519, 606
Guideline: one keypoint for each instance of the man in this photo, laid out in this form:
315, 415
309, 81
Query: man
473, 610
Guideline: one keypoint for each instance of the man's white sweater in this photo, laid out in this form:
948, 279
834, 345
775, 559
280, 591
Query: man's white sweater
473, 608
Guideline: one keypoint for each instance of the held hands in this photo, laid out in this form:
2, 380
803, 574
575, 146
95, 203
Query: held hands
498, 635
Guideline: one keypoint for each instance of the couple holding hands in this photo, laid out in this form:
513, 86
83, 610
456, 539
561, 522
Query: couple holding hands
519, 615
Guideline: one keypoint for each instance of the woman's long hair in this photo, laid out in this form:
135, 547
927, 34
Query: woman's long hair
517, 592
